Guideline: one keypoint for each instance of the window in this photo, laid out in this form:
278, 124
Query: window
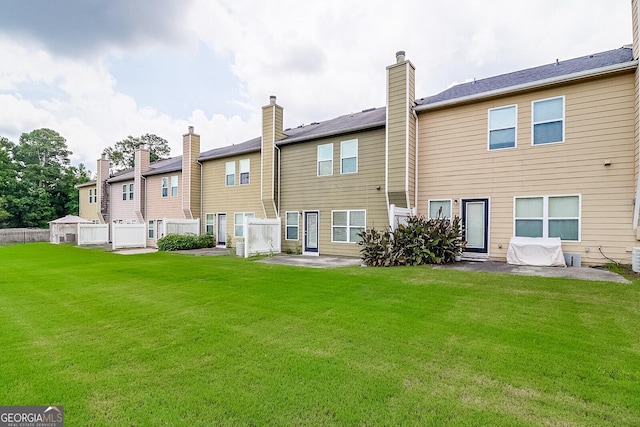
435, 207
91, 190
209, 224
345, 225
502, 127
238, 224
151, 228
165, 187
349, 156
130, 191
231, 173
174, 186
124, 191
548, 216
244, 171
291, 225
548, 121
325, 159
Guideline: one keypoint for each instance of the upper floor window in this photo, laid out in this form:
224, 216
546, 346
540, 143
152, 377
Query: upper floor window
548, 120
548, 216
325, 159
125, 191
174, 186
244, 171
130, 191
230, 169
92, 196
502, 127
165, 187
349, 156
345, 225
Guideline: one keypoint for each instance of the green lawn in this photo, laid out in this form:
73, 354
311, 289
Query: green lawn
169, 339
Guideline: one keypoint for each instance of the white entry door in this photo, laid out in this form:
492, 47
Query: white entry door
311, 232
475, 219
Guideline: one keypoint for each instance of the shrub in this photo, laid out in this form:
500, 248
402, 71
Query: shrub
420, 241
177, 242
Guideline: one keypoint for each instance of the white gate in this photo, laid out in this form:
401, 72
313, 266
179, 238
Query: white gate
129, 236
93, 234
399, 216
181, 226
262, 236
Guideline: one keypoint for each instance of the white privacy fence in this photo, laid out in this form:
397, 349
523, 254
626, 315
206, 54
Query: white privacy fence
93, 234
399, 216
129, 236
181, 226
262, 236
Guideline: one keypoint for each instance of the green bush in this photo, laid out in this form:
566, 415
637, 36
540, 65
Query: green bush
420, 241
177, 242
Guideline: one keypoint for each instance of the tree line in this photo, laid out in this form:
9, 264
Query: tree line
38, 183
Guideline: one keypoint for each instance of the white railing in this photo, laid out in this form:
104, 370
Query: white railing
399, 216
93, 234
262, 236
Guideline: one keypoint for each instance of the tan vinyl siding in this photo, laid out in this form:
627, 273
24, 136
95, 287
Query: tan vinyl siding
302, 190
599, 125
121, 210
88, 210
397, 120
218, 198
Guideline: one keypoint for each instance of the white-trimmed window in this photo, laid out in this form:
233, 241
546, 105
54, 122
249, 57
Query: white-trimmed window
349, 156
210, 224
174, 186
91, 190
502, 127
230, 174
130, 191
345, 225
244, 171
548, 121
292, 223
548, 216
165, 187
435, 207
238, 224
151, 228
325, 159
124, 191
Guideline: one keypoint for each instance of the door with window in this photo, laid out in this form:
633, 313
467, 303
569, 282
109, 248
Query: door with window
475, 220
222, 230
311, 232
160, 226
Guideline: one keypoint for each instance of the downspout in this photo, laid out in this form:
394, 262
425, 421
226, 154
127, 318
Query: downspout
277, 205
415, 194
201, 197
386, 157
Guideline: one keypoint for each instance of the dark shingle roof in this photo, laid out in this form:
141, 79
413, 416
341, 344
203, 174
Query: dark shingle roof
171, 164
230, 150
366, 119
582, 64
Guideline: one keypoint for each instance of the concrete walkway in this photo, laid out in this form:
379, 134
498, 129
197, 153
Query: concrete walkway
312, 261
582, 273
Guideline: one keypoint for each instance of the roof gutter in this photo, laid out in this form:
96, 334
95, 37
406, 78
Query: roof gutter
328, 134
631, 65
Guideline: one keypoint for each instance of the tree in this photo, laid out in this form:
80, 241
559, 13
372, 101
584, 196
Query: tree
43, 184
122, 154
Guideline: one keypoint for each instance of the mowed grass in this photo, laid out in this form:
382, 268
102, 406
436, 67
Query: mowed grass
169, 339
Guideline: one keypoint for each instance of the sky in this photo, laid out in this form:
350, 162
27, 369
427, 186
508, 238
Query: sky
97, 71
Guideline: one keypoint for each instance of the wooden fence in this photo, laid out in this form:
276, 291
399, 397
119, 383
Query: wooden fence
12, 236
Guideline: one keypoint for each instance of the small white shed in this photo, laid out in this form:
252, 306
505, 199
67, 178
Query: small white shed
65, 229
